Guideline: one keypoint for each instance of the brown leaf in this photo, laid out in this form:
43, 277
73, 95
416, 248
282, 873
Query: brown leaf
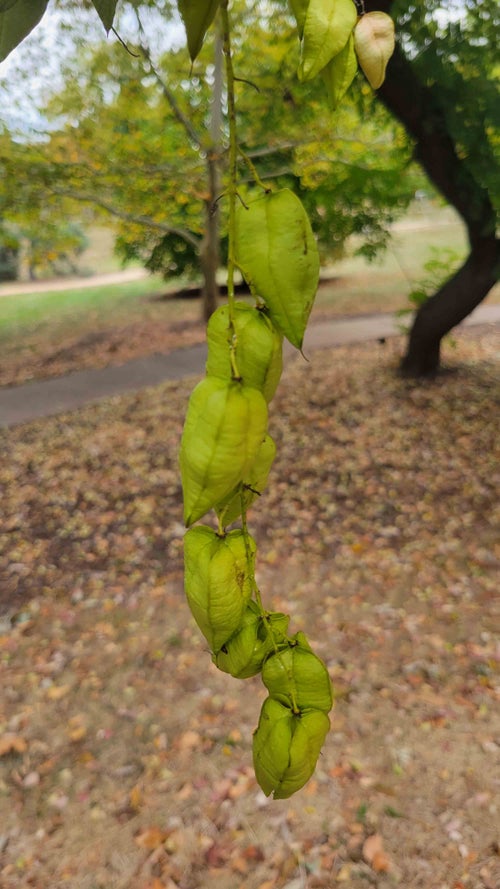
150, 838
11, 743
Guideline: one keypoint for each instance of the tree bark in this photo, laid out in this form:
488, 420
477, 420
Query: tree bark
420, 110
456, 299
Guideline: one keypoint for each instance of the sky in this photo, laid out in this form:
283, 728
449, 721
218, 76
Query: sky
32, 72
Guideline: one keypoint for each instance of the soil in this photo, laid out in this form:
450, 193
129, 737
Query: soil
125, 756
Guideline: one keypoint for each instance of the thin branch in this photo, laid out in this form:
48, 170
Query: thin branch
129, 217
167, 92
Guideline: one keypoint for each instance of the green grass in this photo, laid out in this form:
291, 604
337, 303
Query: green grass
28, 313
358, 287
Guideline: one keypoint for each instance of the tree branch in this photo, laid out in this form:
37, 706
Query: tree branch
146, 221
167, 92
420, 110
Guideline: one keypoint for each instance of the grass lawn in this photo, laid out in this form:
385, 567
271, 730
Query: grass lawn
48, 334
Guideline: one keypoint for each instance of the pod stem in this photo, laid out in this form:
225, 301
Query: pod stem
253, 170
233, 177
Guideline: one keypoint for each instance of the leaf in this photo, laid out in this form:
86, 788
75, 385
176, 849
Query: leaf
11, 743
340, 73
17, 21
327, 28
197, 16
276, 251
106, 11
374, 45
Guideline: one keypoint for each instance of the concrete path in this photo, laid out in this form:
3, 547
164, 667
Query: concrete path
20, 404
28, 288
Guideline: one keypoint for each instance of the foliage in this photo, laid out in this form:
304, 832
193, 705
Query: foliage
439, 268
129, 151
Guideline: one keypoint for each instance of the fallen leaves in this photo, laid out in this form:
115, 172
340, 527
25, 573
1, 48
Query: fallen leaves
378, 534
11, 743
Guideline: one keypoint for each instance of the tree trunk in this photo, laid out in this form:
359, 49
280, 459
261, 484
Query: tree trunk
456, 299
420, 110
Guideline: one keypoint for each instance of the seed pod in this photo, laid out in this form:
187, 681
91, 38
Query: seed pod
286, 747
374, 45
340, 72
243, 655
277, 253
298, 678
197, 16
258, 348
217, 581
327, 28
225, 425
231, 507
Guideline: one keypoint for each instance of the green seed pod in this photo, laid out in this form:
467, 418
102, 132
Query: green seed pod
217, 581
297, 677
286, 747
276, 251
259, 348
224, 429
243, 655
230, 508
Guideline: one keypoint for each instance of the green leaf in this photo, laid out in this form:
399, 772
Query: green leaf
106, 11
6, 4
197, 16
340, 73
16, 22
277, 254
327, 28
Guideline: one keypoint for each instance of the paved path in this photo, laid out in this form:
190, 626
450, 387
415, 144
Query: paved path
20, 404
27, 288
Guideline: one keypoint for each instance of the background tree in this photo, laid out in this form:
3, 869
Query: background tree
136, 136
442, 84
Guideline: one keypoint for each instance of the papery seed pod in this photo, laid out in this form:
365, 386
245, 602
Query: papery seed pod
271, 744
197, 16
259, 348
374, 45
309, 732
243, 655
218, 582
224, 429
340, 72
231, 507
298, 678
286, 747
277, 254
327, 28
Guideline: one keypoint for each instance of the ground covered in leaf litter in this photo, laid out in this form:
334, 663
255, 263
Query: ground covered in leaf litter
125, 756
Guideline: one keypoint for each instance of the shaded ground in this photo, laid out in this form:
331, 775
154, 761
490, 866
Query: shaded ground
125, 757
